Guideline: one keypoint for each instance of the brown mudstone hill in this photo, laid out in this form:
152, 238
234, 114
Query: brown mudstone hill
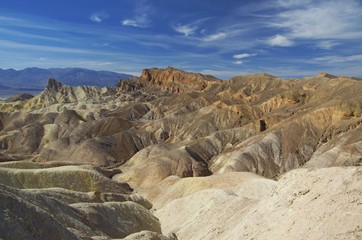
180, 138
176, 81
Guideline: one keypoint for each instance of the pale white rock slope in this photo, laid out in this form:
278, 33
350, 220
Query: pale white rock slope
304, 204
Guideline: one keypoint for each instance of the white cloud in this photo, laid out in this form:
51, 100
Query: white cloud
186, 30
340, 59
327, 44
214, 37
99, 17
96, 18
102, 63
279, 40
141, 14
243, 55
335, 19
291, 3
140, 21
190, 29
238, 62
132, 73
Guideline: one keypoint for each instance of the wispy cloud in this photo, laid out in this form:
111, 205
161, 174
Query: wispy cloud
17, 33
328, 44
335, 19
25, 22
94, 63
255, 8
186, 30
291, 3
339, 59
191, 28
214, 37
279, 40
43, 48
140, 21
99, 16
141, 16
243, 55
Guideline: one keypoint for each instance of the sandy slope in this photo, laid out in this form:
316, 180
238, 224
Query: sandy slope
304, 204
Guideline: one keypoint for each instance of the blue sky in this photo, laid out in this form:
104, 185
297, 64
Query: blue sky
285, 38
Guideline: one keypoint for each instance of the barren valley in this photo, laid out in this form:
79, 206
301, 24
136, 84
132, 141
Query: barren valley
179, 155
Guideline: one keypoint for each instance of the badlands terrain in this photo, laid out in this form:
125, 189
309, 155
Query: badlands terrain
177, 155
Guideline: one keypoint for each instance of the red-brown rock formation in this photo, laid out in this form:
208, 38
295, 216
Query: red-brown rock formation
176, 81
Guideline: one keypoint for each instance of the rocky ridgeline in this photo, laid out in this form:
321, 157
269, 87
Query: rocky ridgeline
182, 139
176, 81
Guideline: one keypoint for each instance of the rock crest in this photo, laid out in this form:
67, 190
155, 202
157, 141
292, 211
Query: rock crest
54, 85
176, 81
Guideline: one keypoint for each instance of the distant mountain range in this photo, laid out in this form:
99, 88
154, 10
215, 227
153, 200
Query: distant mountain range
35, 79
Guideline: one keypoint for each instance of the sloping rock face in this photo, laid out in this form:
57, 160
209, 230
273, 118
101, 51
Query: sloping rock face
312, 204
19, 97
249, 185
29, 215
68, 177
170, 134
70, 202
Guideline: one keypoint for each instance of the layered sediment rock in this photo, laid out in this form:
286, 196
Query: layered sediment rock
176, 81
180, 138
32, 215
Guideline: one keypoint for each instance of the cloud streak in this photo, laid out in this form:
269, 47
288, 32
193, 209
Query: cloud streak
140, 21
291, 3
43, 48
340, 59
141, 18
243, 55
99, 17
336, 19
214, 37
279, 40
186, 30
328, 44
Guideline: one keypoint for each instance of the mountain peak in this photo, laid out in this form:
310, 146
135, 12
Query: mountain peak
170, 68
326, 75
54, 85
264, 74
175, 80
